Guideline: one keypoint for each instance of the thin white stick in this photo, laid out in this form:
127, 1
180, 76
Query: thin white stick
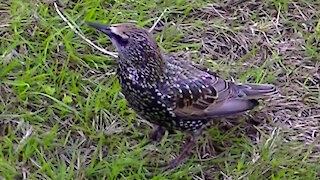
157, 21
113, 54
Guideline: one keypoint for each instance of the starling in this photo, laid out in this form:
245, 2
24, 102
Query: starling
171, 92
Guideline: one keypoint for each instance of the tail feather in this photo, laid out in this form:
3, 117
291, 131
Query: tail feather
252, 91
232, 106
245, 98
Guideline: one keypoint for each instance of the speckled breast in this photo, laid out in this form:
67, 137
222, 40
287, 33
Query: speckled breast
146, 102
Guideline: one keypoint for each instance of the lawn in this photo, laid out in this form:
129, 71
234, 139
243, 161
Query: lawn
62, 115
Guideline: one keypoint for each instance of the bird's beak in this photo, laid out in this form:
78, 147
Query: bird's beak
108, 30
114, 33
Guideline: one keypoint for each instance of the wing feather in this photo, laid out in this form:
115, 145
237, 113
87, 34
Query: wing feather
195, 98
198, 92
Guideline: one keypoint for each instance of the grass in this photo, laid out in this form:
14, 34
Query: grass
61, 116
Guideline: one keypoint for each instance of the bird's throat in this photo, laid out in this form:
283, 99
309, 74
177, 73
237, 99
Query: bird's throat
151, 70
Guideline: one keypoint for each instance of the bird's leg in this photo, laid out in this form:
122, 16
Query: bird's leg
157, 133
186, 148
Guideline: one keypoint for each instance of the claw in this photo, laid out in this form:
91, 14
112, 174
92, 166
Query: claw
157, 134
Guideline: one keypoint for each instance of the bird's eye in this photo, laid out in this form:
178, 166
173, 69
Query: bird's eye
122, 41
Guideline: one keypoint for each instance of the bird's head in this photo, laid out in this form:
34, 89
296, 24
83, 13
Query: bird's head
135, 45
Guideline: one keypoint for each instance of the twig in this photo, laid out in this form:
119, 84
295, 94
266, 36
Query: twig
113, 54
297, 7
277, 20
157, 21
217, 12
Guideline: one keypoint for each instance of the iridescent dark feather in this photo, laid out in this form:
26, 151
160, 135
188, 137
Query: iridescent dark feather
170, 91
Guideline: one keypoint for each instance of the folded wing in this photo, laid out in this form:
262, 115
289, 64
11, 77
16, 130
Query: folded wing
211, 96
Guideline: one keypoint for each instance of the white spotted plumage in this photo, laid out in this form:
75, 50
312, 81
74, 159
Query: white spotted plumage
170, 91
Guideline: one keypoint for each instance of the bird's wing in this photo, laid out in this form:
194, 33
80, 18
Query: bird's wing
212, 96
197, 92
197, 98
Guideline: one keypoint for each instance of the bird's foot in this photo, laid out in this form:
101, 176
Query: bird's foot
185, 151
157, 134
173, 164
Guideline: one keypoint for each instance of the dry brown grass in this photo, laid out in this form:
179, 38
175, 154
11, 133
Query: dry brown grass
281, 38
